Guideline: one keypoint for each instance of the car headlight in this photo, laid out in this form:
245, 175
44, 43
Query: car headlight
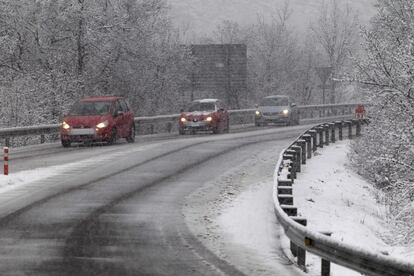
257, 112
102, 125
183, 120
65, 125
286, 111
209, 119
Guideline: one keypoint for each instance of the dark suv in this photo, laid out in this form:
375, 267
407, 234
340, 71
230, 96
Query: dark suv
204, 115
98, 119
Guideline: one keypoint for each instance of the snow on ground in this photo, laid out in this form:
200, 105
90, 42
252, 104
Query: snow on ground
19, 179
13, 180
334, 198
233, 216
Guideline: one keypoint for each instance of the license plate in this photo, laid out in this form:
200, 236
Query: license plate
82, 131
194, 124
273, 117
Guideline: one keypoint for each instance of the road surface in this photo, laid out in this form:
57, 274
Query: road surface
118, 210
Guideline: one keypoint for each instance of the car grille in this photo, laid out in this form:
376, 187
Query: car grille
272, 113
81, 126
196, 119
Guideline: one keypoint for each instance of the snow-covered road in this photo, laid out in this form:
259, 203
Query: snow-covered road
119, 210
207, 199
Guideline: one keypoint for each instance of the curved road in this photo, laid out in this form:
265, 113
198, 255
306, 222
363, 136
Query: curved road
118, 210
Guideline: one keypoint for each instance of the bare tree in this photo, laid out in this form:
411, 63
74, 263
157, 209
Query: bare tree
230, 32
336, 31
274, 56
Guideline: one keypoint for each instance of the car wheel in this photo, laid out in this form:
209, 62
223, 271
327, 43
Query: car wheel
66, 143
112, 140
131, 137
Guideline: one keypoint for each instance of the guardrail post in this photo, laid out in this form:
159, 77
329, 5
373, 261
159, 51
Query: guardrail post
292, 168
308, 139
169, 127
42, 139
284, 182
332, 128
289, 210
302, 144
326, 128
301, 252
295, 160
349, 124
285, 199
325, 264
298, 151
284, 190
340, 135
358, 128
313, 133
294, 247
320, 132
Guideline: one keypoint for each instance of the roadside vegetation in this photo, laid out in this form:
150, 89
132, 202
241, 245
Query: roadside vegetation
385, 153
285, 60
53, 52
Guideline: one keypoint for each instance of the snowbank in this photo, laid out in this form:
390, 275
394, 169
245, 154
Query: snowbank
334, 198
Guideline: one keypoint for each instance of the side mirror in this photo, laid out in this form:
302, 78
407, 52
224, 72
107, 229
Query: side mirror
221, 109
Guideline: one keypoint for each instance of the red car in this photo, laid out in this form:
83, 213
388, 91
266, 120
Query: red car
98, 119
204, 115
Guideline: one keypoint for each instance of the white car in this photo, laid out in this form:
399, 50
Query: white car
277, 109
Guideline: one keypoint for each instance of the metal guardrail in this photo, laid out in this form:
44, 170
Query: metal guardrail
168, 123
302, 238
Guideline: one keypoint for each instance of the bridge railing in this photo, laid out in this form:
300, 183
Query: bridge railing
303, 239
169, 123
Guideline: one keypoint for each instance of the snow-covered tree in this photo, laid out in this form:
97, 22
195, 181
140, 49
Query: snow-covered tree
385, 153
274, 56
54, 52
336, 31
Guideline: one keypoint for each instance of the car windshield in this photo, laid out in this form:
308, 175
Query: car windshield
90, 108
197, 106
275, 102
